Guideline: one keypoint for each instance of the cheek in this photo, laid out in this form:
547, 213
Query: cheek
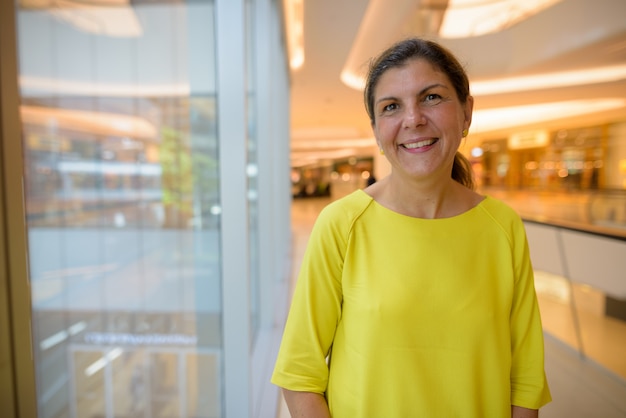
453, 126
384, 131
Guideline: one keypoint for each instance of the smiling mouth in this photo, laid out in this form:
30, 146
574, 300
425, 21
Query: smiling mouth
420, 144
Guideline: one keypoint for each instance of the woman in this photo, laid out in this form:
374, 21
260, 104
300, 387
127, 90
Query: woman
415, 297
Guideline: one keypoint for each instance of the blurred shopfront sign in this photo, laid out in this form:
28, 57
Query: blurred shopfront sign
533, 139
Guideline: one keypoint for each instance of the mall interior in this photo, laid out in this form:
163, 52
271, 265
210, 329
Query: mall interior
162, 163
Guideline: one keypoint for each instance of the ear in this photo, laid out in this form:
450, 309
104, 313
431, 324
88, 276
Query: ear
467, 112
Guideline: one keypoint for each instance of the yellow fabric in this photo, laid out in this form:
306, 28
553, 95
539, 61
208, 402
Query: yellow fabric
419, 318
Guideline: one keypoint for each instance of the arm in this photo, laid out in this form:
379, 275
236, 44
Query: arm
519, 412
528, 380
307, 404
301, 367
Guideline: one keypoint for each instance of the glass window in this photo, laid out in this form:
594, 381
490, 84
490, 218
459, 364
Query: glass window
123, 213
253, 169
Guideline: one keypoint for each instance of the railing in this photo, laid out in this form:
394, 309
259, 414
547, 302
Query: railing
577, 243
587, 263
607, 208
599, 211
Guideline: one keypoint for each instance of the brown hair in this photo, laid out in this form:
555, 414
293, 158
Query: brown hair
441, 58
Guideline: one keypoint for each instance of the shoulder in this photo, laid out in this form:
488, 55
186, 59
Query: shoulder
504, 216
498, 208
347, 207
335, 224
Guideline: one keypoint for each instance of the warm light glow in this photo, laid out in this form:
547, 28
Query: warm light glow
39, 85
337, 143
534, 139
525, 83
374, 34
352, 80
509, 117
97, 123
465, 18
302, 159
549, 80
294, 13
476, 152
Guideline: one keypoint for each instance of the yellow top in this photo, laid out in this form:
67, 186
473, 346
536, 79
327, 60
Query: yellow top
418, 317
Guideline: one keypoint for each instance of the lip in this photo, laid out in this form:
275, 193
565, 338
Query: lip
414, 145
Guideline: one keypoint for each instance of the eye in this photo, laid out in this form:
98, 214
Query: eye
432, 98
390, 106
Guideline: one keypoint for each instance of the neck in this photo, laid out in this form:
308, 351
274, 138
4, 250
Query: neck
429, 200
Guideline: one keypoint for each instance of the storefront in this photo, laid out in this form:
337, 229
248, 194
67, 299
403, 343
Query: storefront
565, 159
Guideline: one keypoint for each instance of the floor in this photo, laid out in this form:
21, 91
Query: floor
585, 365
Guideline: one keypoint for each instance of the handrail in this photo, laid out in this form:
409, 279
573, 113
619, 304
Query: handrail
590, 257
601, 212
593, 229
581, 255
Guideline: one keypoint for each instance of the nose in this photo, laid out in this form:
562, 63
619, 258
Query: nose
413, 116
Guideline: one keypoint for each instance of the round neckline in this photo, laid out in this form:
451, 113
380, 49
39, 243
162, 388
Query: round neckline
393, 212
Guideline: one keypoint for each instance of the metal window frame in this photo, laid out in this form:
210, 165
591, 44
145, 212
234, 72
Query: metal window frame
17, 372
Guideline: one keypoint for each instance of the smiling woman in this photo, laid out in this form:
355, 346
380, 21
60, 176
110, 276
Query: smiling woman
397, 288
421, 88
419, 121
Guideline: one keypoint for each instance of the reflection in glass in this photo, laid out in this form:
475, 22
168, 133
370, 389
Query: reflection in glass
121, 179
252, 169
163, 385
91, 383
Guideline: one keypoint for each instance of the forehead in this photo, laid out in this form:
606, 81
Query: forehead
417, 71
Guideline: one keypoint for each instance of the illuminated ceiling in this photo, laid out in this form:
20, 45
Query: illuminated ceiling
532, 63
560, 64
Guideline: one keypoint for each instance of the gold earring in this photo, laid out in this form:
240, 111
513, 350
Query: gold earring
465, 132
382, 152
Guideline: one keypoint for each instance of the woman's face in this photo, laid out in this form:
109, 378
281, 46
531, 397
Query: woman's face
418, 119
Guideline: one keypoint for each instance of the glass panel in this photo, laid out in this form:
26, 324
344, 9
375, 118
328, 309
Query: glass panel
163, 385
578, 315
121, 177
252, 158
89, 382
200, 367
130, 377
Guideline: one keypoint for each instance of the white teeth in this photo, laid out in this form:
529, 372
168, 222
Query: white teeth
419, 144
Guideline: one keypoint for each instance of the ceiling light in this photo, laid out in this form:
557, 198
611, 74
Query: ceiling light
509, 117
352, 80
98, 123
294, 14
336, 143
465, 18
32, 86
376, 31
524, 83
550, 80
99, 364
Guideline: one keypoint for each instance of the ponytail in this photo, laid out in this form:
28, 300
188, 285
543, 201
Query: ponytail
462, 171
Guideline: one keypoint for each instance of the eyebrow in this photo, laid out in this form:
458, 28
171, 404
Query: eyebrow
422, 91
